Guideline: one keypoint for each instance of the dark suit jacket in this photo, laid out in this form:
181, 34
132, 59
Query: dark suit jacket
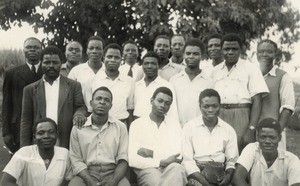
70, 103
14, 82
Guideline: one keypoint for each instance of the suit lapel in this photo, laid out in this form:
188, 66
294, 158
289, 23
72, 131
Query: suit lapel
26, 74
64, 89
41, 97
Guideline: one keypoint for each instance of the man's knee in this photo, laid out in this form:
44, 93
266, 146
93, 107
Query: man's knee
76, 181
148, 177
175, 167
124, 182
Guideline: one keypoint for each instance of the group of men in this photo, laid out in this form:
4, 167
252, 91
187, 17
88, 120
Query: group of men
188, 118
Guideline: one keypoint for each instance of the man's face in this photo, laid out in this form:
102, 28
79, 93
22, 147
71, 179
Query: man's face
45, 135
214, 48
150, 66
130, 53
162, 47
210, 108
161, 104
101, 102
51, 65
94, 50
177, 45
192, 56
32, 49
112, 59
268, 139
231, 51
73, 52
266, 53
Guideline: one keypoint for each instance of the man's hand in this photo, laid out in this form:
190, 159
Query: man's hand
146, 153
248, 137
169, 160
226, 180
9, 140
79, 120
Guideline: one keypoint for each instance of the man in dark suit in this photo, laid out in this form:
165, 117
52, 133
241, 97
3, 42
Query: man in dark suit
55, 97
15, 80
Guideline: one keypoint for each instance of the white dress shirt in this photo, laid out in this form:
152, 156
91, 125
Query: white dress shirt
169, 70
51, 95
164, 141
137, 71
199, 144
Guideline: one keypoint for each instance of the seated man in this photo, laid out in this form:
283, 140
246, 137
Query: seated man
40, 164
98, 151
264, 162
210, 145
155, 144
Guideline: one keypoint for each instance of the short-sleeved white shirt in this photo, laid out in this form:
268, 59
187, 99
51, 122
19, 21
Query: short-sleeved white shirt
284, 171
243, 81
28, 168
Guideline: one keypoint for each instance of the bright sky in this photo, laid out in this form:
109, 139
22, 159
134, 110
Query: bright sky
14, 38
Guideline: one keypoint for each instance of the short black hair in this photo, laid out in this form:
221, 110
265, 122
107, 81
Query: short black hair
213, 36
231, 37
42, 120
269, 123
209, 93
112, 46
268, 41
52, 50
162, 37
98, 38
129, 42
163, 90
195, 42
103, 89
152, 54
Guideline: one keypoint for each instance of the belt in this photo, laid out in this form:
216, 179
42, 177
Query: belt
238, 105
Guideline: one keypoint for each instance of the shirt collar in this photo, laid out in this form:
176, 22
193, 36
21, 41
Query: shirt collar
200, 122
272, 72
36, 65
88, 122
55, 81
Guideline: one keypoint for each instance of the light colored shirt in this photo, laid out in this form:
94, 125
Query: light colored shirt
137, 71
143, 95
219, 145
187, 94
64, 69
83, 74
286, 90
243, 81
93, 146
122, 89
28, 168
164, 141
51, 96
36, 66
207, 67
169, 70
283, 172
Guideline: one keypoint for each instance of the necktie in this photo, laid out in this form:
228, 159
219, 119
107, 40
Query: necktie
33, 70
130, 72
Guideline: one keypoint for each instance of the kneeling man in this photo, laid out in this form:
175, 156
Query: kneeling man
98, 151
210, 144
40, 164
264, 162
155, 144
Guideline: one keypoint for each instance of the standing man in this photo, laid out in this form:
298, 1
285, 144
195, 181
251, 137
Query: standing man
262, 163
98, 151
73, 55
86, 71
155, 145
209, 140
241, 87
145, 88
177, 45
14, 82
55, 97
162, 48
131, 67
121, 86
214, 52
40, 164
280, 103
189, 83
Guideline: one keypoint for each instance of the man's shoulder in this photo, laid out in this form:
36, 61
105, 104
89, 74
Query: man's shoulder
222, 123
193, 123
61, 152
70, 81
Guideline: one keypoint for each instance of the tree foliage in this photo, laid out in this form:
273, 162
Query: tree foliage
142, 20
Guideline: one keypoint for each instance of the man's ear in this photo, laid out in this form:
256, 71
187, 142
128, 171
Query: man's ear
151, 100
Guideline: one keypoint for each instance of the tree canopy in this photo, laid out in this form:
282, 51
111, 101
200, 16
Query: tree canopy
142, 20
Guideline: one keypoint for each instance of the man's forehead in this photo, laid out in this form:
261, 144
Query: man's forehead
177, 39
266, 45
164, 96
162, 40
45, 126
214, 40
102, 93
